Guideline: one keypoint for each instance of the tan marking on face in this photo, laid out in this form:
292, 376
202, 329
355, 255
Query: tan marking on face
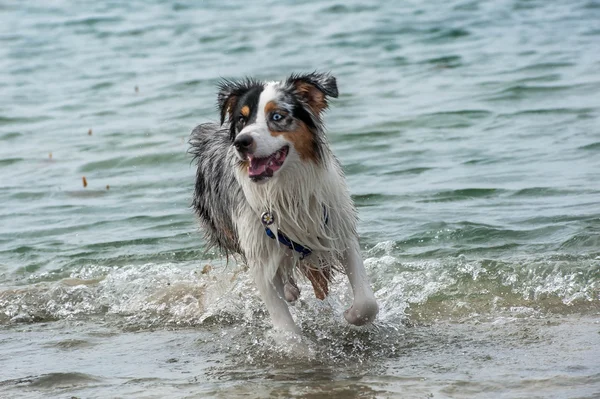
270, 106
315, 98
302, 139
245, 111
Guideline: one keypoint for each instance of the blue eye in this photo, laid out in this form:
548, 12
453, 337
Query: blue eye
276, 117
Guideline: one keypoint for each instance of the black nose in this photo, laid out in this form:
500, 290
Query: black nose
244, 143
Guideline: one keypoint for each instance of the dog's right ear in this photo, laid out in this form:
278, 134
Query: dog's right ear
230, 92
226, 99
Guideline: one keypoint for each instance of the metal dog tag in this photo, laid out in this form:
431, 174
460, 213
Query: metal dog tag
267, 218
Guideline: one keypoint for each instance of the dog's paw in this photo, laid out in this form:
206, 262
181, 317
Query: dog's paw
362, 312
291, 292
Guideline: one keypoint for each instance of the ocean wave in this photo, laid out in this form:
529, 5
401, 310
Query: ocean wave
181, 294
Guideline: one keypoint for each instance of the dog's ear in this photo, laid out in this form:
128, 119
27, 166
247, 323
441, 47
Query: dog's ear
230, 92
314, 88
227, 98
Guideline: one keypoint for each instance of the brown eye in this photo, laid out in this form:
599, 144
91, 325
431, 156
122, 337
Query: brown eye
241, 121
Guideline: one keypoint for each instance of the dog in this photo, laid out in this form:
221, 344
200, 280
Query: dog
268, 188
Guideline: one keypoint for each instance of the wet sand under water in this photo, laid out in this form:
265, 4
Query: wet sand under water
549, 357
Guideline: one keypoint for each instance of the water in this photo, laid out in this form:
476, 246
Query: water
470, 135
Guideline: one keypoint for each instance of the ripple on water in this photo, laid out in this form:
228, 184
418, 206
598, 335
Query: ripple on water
58, 380
536, 192
9, 161
10, 136
348, 9
588, 240
590, 147
93, 20
70, 344
447, 61
408, 171
7, 120
463, 194
371, 199
441, 35
531, 91
543, 66
459, 119
551, 111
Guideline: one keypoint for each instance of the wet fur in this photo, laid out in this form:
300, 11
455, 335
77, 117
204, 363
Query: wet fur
229, 204
231, 219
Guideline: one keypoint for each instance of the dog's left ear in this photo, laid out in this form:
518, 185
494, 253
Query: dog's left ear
315, 88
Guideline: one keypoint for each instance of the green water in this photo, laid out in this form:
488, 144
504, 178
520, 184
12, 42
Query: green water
470, 135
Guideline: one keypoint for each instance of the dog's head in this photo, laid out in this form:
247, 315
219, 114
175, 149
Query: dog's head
272, 124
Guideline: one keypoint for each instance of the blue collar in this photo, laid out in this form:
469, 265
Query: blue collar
267, 219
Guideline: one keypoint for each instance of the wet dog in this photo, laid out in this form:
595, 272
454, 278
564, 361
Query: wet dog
269, 188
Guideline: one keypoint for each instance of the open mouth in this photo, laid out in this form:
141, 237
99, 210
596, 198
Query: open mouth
263, 168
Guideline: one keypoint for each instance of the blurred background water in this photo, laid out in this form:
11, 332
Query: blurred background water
470, 135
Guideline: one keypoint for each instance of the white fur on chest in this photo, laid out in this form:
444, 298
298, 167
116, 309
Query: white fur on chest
311, 205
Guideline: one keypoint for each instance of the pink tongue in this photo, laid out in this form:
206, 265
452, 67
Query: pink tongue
258, 166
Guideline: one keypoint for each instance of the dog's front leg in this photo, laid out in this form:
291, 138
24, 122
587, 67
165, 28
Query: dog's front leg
364, 308
270, 289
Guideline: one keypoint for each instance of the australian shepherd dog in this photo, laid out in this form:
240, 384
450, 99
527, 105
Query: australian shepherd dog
269, 189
